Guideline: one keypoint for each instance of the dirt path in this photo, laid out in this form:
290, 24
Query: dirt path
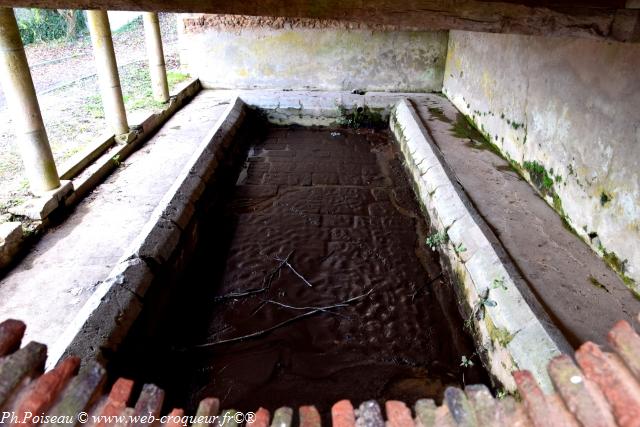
73, 113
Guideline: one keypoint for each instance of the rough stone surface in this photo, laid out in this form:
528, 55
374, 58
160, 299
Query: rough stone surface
207, 408
11, 333
261, 419
550, 101
150, 401
425, 410
316, 59
483, 404
342, 414
626, 344
46, 389
473, 406
580, 395
82, 392
19, 367
11, 238
117, 400
369, 414
309, 416
615, 381
282, 417
42, 206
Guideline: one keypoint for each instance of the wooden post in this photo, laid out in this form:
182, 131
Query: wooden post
23, 105
107, 67
156, 57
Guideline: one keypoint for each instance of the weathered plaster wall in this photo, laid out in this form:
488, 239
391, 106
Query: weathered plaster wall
278, 53
567, 113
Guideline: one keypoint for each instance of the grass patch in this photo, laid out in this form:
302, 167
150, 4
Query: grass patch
136, 90
93, 106
130, 26
175, 77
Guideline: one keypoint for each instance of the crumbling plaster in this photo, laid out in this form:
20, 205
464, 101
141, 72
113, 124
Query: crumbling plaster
288, 53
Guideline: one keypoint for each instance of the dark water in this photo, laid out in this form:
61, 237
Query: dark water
339, 204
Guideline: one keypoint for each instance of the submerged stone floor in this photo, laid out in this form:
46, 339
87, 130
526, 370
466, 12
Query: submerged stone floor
50, 285
339, 203
567, 281
558, 273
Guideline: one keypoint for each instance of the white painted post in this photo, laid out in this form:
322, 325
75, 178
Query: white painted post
105, 57
23, 105
155, 54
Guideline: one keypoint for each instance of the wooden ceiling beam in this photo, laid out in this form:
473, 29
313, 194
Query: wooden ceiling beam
616, 20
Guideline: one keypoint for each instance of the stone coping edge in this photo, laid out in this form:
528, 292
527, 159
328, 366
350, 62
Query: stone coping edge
508, 335
106, 318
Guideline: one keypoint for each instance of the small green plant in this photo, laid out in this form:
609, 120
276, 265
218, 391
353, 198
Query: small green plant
498, 283
502, 393
116, 160
460, 248
466, 362
361, 117
437, 239
479, 308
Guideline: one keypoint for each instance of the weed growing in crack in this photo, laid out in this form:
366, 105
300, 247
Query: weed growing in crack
479, 308
498, 283
466, 362
437, 239
460, 248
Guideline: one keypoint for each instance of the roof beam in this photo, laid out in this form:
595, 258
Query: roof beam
617, 20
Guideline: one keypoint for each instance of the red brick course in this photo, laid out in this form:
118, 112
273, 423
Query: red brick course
43, 391
601, 390
11, 332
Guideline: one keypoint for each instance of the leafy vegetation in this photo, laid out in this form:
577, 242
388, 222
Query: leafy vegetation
37, 25
361, 117
498, 283
436, 239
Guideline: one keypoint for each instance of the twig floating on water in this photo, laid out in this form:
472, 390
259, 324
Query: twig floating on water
315, 310
266, 283
286, 262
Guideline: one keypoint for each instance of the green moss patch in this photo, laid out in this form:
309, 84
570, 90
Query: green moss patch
362, 117
539, 176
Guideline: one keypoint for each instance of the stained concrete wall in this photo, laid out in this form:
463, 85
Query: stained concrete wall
277, 53
567, 113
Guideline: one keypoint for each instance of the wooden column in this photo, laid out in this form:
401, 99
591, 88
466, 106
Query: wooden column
155, 54
23, 105
105, 57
